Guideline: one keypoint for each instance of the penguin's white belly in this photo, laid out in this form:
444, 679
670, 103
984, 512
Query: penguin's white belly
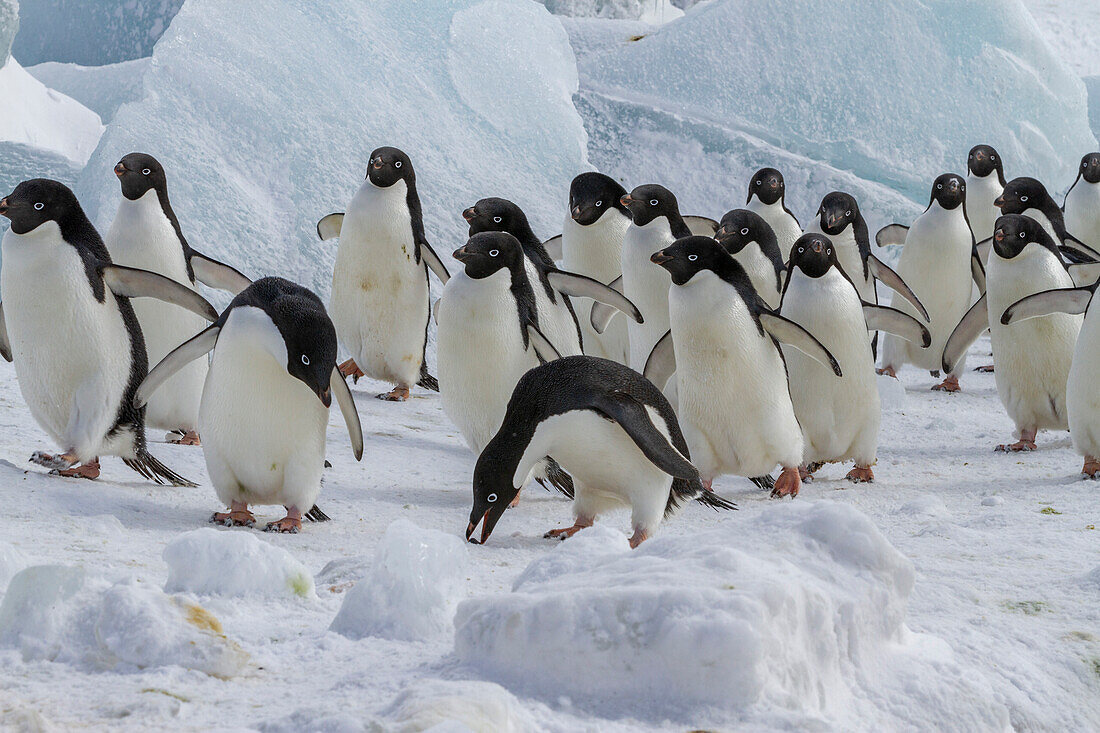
480, 352
839, 416
1082, 395
72, 354
1083, 213
1033, 356
734, 404
1039, 216
847, 254
646, 285
555, 320
761, 273
980, 195
596, 251
263, 431
379, 301
783, 224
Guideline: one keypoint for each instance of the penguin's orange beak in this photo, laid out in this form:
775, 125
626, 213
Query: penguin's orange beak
817, 247
626, 200
120, 169
999, 235
999, 202
576, 212
4, 206
660, 258
461, 254
469, 214
326, 397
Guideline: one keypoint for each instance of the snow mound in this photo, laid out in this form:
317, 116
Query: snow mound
648, 11
44, 119
259, 143
213, 562
57, 613
441, 705
795, 615
12, 560
91, 32
416, 581
895, 92
102, 89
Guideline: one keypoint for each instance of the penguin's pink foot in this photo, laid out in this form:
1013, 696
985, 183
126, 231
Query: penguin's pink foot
708, 484
887, 372
1024, 444
188, 438
290, 524
787, 484
58, 462
949, 384
515, 502
350, 369
805, 474
987, 369
397, 394
237, 516
88, 470
568, 532
1091, 469
639, 536
861, 475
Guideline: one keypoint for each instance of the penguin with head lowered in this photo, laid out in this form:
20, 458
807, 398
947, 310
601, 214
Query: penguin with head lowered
379, 301
1029, 197
751, 241
768, 198
938, 261
1033, 356
265, 401
1082, 203
839, 417
610, 428
734, 399
71, 331
147, 234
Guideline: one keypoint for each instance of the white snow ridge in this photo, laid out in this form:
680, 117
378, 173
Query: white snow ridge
218, 563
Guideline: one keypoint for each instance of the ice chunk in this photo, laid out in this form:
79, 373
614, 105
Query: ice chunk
260, 142
443, 705
9, 26
40, 118
12, 560
417, 578
91, 32
214, 562
648, 11
796, 614
102, 89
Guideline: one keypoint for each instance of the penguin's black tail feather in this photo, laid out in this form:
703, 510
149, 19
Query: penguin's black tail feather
764, 482
427, 381
684, 489
715, 502
316, 515
148, 466
557, 477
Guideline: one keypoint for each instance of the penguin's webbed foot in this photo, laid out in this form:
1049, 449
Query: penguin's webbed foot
237, 516
57, 462
515, 502
566, 532
290, 524
350, 369
949, 384
806, 472
861, 475
397, 394
640, 535
887, 372
189, 437
88, 470
787, 484
986, 369
1020, 446
1091, 469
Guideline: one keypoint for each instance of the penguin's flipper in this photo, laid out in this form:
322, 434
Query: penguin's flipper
131, 282
661, 364
581, 286
1073, 301
892, 280
1085, 273
891, 234
977, 270
632, 417
218, 275
601, 312
329, 227
544, 350
788, 332
970, 327
553, 248
5, 342
347, 406
891, 320
983, 247
1078, 251
434, 263
701, 226
176, 359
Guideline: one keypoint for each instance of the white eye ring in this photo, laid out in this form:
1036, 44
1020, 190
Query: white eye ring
993, 157
745, 230
653, 202
1021, 235
828, 251
939, 185
494, 252
305, 359
693, 257
397, 164
847, 213
145, 171
496, 219
599, 203
39, 206
801, 249
492, 498
758, 182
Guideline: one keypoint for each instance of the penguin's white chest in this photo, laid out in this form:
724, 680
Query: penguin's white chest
981, 192
1083, 212
851, 261
596, 251
263, 431
379, 301
1082, 395
786, 229
480, 352
646, 285
761, 273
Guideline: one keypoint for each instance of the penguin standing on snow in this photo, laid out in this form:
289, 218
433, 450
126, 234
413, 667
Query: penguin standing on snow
70, 329
1033, 357
985, 182
839, 417
1029, 197
1082, 205
939, 262
723, 334
379, 298
749, 239
147, 234
609, 427
265, 401
768, 198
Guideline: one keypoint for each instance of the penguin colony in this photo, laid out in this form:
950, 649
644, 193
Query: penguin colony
627, 362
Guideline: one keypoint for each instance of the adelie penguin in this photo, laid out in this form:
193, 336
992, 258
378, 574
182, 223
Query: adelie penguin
379, 302
70, 329
751, 241
939, 262
1082, 204
1029, 197
768, 198
839, 417
266, 398
723, 335
147, 234
489, 334
985, 182
1033, 356
610, 428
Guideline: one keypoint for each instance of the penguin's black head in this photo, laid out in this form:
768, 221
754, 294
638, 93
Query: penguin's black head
983, 160
496, 215
739, 228
949, 190
767, 185
1013, 232
387, 166
646, 203
1090, 167
139, 173
310, 340
487, 252
814, 254
493, 492
687, 256
838, 211
591, 195
35, 202
1021, 194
